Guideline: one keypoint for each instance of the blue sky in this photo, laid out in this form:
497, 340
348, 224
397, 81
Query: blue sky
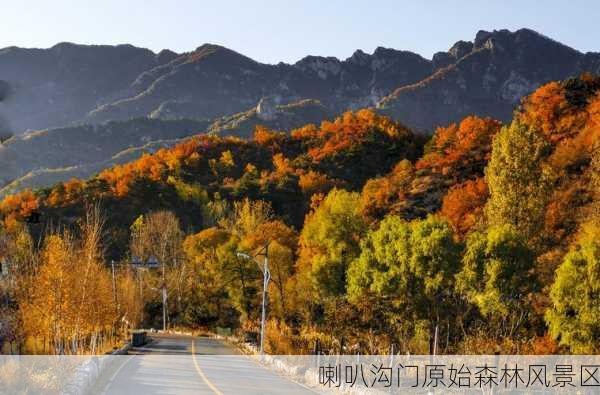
286, 30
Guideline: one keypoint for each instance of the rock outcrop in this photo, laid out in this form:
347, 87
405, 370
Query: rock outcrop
266, 110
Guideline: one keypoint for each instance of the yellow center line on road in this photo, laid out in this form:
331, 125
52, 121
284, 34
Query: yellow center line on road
201, 373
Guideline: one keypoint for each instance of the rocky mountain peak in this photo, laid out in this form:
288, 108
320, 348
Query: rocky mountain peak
460, 49
165, 56
210, 47
457, 51
65, 45
206, 50
480, 38
219, 56
521, 40
441, 60
359, 58
322, 66
383, 52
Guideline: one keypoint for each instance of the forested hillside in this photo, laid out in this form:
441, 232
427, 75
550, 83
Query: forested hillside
43, 158
377, 236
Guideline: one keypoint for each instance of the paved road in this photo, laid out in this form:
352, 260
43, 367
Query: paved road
172, 364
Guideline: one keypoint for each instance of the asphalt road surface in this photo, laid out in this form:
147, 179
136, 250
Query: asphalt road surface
172, 364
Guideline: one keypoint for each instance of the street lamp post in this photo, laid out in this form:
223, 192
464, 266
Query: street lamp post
266, 278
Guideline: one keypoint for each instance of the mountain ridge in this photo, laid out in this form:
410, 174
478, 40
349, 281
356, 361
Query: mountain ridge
73, 83
489, 80
206, 90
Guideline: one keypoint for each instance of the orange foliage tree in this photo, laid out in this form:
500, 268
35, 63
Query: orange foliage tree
381, 194
463, 204
467, 144
349, 130
18, 207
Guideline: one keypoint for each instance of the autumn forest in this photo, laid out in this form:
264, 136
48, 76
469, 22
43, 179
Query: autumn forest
378, 237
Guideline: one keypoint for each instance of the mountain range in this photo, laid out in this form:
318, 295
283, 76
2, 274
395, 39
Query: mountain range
74, 90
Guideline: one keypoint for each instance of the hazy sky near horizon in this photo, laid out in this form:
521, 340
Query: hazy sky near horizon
286, 30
